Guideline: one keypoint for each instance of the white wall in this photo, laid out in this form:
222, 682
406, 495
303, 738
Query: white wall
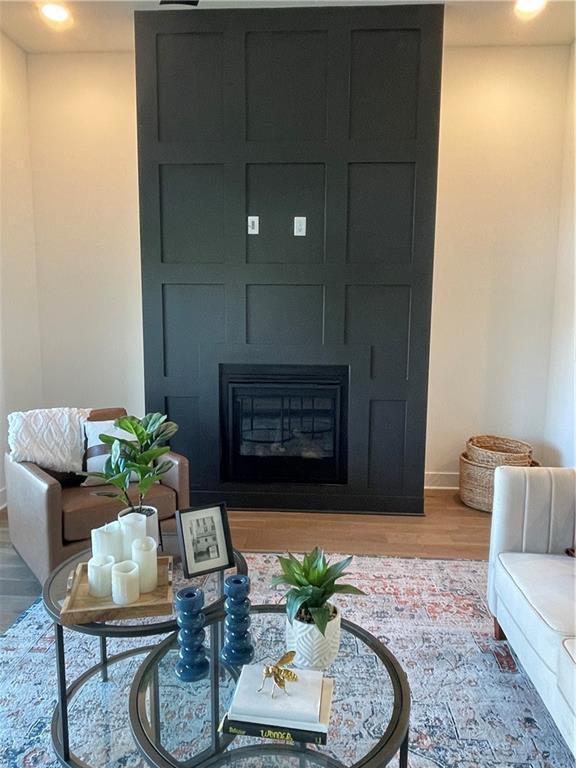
83, 138
20, 370
501, 155
560, 414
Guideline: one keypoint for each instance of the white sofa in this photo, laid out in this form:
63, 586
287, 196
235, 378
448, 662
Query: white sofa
532, 582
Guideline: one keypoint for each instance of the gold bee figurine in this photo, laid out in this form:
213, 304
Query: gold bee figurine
278, 674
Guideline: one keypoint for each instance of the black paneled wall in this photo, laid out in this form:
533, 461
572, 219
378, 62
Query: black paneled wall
329, 114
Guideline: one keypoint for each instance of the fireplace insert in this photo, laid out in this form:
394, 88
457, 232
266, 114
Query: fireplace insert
284, 423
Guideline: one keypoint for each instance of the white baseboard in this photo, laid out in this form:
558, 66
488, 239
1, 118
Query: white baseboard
441, 480
2, 498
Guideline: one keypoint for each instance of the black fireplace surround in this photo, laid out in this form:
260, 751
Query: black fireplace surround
287, 178
284, 423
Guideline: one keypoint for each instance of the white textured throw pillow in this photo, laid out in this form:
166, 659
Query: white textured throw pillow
97, 452
53, 438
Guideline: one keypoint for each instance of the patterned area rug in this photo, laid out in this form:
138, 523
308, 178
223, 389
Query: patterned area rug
472, 706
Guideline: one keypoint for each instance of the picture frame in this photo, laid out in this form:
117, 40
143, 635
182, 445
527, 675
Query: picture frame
204, 539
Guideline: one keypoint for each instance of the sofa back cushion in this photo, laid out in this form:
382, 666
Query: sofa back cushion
534, 510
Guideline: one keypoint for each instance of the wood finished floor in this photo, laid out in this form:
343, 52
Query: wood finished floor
448, 530
18, 585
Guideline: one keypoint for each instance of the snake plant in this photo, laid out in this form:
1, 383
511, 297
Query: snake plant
313, 582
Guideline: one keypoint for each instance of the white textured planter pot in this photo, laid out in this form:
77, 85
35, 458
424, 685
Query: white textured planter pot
313, 650
152, 525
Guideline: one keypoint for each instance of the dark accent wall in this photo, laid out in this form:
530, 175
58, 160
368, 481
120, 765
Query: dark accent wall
326, 113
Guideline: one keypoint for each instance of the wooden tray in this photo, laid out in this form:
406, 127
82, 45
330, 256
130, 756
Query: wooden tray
79, 607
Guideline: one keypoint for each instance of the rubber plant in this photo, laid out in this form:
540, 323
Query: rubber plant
313, 583
137, 455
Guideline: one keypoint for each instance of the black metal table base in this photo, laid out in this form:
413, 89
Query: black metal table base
146, 727
52, 599
60, 731
403, 755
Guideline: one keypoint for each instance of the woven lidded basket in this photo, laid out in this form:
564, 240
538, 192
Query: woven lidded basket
492, 451
477, 483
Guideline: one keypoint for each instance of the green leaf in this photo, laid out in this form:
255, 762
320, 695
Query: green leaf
152, 421
164, 467
107, 439
287, 574
128, 446
120, 481
115, 452
164, 433
145, 484
152, 454
336, 571
317, 596
110, 494
292, 570
295, 599
308, 560
278, 580
318, 567
321, 617
347, 589
132, 425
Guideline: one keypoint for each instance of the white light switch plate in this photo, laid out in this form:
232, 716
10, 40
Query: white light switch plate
253, 225
299, 226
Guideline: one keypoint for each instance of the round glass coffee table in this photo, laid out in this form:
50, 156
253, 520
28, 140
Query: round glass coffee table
55, 589
175, 724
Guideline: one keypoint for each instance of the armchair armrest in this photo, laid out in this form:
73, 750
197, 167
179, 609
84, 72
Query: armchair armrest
34, 514
534, 511
178, 478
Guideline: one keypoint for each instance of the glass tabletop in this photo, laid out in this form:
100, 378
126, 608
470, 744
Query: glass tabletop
58, 583
176, 723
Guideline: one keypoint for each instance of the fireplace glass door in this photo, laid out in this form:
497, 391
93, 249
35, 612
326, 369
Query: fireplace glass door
285, 431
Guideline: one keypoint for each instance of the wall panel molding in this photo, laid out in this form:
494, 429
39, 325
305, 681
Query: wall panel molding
327, 114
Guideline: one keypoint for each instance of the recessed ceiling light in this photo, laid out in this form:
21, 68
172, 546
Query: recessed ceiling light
526, 9
54, 12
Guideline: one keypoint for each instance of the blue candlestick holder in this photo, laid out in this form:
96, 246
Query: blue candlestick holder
192, 662
238, 648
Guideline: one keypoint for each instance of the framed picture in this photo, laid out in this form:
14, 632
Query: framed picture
205, 541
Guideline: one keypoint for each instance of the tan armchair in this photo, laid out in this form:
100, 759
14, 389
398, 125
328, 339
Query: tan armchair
49, 522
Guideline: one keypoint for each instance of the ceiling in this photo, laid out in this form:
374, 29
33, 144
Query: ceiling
108, 25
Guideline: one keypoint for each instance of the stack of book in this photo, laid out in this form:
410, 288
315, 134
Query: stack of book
301, 714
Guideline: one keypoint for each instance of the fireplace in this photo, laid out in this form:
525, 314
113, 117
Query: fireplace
284, 423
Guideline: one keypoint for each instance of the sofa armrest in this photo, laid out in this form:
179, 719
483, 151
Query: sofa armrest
534, 511
34, 500
178, 478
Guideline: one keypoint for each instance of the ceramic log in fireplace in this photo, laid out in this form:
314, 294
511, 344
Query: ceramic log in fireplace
284, 423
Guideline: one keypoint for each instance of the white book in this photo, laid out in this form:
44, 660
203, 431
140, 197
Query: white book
299, 708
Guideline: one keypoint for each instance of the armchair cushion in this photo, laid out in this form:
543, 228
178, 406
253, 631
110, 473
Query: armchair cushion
539, 593
83, 511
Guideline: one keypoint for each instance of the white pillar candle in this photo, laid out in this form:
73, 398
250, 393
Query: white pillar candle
144, 553
152, 528
100, 575
125, 582
133, 527
108, 540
